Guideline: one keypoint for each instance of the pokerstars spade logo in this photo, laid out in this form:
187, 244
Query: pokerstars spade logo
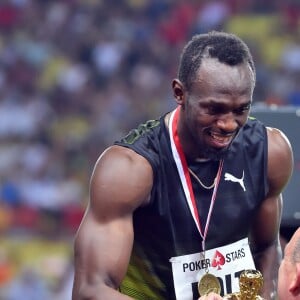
218, 260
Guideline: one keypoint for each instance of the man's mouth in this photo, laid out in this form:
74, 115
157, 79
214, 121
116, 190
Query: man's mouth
218, 140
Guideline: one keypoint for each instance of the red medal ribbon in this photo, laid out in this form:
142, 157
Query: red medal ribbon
185, 178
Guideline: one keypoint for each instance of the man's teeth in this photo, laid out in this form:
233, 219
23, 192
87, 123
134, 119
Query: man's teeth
220, 138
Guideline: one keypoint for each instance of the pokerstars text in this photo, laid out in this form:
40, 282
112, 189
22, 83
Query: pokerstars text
218, 260
232, 256
196, 265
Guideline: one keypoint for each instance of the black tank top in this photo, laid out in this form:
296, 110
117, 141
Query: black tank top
165, 227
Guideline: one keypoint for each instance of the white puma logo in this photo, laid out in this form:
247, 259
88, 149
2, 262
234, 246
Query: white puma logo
232, 178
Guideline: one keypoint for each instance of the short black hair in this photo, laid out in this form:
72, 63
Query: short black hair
226, 47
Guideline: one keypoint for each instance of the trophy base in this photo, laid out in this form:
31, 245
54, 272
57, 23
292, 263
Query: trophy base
237, 296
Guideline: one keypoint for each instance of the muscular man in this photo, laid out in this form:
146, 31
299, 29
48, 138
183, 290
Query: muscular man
196, 191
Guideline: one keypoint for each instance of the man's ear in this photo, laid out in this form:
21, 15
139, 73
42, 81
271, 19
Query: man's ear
178, 91
294, 287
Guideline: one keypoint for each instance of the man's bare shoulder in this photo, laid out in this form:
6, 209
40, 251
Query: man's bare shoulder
116, 155
122, 171
278, 143
280, 157
277, 135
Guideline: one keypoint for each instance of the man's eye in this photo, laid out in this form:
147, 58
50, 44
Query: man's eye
242, 110
214, 110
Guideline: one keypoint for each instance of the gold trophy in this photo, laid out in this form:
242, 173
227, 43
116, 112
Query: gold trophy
251, 282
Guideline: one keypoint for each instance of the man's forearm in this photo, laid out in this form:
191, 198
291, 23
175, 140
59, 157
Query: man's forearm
268, 262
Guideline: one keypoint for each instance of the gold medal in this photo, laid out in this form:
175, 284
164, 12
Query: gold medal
209, 283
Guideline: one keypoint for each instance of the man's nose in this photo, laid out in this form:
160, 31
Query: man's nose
227, 123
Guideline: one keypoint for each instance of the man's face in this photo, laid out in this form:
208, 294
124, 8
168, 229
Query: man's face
217, 106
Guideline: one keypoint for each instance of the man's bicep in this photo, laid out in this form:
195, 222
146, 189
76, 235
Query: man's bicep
102, 251
120, 183
265, 228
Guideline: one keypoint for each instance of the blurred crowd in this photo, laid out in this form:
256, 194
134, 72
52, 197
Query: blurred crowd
77, 74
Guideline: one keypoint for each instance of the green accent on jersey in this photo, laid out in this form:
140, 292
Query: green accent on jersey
135, 134
251, 118
140, 283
